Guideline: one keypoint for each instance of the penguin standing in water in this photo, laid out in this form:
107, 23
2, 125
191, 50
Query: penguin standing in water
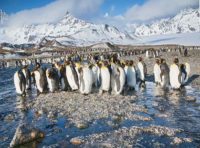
130, 71
175, 75
157, 72
118, 78
52, 79
164, 75
185, 71
20, 83
86, 79
27, 75
105, 74
72, 76
39, 78
142, 71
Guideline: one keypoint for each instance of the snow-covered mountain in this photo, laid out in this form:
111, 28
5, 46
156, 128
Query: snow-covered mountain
76, 32
186, 21
68, 31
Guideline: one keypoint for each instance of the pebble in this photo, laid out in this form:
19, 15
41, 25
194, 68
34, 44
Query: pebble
9, 118
76, 141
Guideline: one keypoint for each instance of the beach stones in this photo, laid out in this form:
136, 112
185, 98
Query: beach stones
24, 134
9, 118
82, 125
190, 99
76, 141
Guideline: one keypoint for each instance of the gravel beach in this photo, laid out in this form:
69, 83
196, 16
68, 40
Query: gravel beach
133, 118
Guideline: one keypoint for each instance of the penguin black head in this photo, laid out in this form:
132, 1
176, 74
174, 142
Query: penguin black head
162, 61
131, 63
38, 65
158, 61
140, 59
182, 66
176, 60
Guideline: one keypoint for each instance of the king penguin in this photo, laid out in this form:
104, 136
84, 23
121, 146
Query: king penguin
104, 76
20, 82
130, 71
185, 71
164, 75
52, 79
27, 75
40, 79
62, 77
72, 76
118, 78
142, 71
86, 79
157, 72
175, 75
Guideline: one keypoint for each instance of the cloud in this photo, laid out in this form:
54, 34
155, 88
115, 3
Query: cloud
54, 11
153, 9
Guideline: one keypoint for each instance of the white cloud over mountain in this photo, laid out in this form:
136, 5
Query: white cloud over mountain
154, 9
55, 11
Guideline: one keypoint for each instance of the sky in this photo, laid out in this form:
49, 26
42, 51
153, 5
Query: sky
115, 12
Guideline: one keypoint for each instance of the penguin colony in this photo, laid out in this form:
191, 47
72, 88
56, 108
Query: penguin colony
110, 75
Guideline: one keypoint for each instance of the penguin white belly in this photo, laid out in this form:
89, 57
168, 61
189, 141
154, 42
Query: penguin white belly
70, 78
50, 84
141, 71
187, 69
131, 77
147, 54
63, 85
78, 74
17, 83
174, 76
105, 79
157, 73
122, 79
95, 75
37, 80
87, 77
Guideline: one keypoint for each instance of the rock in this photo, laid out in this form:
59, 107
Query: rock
9, 118
76, 141
82, 125
3, 139
190, 99
24, 134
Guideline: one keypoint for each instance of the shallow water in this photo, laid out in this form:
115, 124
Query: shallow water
166, 108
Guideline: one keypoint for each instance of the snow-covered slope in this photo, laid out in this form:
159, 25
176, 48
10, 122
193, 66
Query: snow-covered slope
69, 31
187, 39
186, 21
